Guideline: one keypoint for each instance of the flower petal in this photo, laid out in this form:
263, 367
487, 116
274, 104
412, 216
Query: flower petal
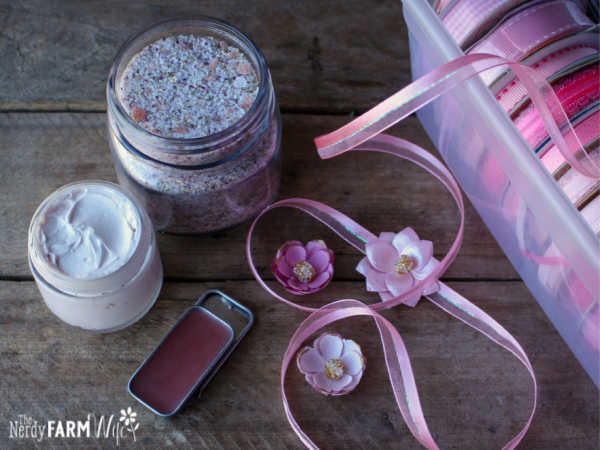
321, 382
398, 284
294, 254
387, 236
362, 265
412, 301
310, 361
353, 362
422, 251
283, 249
375, 280
420, 273
337, 386
353, 383
386, 295
329, 345
319, 281
319, 260
284, 268
350, 345
382, 255
297, 285
314, 246
404, 238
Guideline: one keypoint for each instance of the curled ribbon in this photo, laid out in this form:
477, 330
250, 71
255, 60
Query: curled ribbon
396, 357
362, 134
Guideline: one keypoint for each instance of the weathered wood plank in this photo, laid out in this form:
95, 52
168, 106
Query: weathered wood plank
326, 57
41, 152
474, 394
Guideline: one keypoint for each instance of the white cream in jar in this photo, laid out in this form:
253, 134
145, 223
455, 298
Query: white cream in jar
93, 254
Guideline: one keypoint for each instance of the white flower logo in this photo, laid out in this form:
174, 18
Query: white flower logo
128, 419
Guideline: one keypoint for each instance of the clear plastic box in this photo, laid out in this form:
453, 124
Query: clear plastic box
531, 218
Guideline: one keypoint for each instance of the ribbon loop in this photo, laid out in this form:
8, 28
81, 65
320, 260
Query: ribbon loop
397, 360
440, 80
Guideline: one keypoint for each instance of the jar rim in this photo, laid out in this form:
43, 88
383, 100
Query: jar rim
186, 146
135, 255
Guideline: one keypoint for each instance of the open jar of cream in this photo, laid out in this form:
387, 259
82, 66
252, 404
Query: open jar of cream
93, 255
194, 126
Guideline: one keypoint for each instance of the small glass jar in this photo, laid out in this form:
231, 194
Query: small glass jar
66, 238
198, 185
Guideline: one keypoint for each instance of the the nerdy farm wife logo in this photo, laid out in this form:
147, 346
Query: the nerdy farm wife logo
117, 428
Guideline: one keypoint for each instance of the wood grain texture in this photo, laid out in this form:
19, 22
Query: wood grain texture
41, 152
323, 56
474, 394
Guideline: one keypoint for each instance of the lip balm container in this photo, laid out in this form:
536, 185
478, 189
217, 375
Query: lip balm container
93, 255
191, 353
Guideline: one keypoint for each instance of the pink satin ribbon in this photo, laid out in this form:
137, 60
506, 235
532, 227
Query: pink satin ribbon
467, 18
514, 92
396, 357
530, 29
363, 134
440, 80
575, 93
587, 130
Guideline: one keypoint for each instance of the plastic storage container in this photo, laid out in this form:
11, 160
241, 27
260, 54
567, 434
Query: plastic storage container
527, 212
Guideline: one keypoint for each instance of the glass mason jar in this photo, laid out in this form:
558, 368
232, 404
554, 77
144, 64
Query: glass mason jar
198, 185
67, 236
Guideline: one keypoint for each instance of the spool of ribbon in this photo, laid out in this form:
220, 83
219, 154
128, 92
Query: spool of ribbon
530, 29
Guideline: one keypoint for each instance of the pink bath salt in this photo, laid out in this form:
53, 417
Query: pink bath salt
138, 114
244, 68
165, 81
246, 101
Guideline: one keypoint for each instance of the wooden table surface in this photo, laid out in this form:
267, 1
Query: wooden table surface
329, 60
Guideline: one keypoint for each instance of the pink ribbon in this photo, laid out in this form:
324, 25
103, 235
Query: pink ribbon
396, 357
440, 80
362, 134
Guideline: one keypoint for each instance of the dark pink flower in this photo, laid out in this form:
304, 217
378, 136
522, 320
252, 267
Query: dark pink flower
303, 269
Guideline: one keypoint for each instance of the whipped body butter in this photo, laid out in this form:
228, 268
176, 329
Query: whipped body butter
93, 255
194, 126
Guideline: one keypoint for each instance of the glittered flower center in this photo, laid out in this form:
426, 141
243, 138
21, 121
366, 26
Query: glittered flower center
405, 264
304, 271
334, 369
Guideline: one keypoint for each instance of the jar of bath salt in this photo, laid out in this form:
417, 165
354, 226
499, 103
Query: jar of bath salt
93, 255
194, 126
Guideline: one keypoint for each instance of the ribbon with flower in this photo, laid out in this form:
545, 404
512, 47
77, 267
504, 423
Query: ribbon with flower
399, 266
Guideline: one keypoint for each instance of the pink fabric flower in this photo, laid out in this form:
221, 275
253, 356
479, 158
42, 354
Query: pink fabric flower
303, 269
333, 365
395, 262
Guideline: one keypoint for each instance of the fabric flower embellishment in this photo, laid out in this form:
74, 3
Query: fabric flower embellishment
303, 269
395, 262
333, 365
